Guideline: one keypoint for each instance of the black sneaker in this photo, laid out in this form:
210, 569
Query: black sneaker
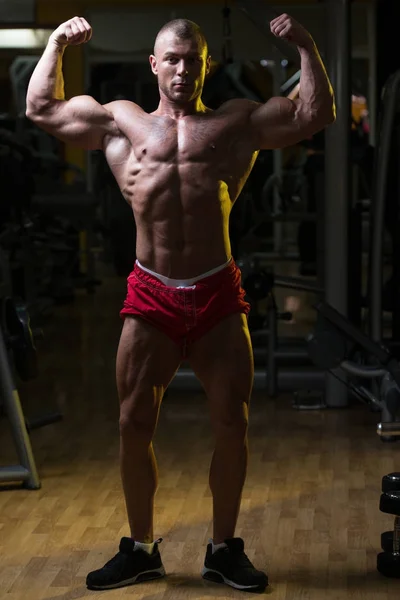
230, 565
127, 567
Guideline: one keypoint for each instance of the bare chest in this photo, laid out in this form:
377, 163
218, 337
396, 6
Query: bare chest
190, 141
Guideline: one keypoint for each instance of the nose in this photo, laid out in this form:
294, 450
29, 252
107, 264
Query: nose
182, 69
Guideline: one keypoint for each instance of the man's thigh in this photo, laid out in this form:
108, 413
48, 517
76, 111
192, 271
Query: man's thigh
223, 362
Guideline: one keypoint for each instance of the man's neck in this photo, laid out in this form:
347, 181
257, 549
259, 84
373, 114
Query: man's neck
169, 108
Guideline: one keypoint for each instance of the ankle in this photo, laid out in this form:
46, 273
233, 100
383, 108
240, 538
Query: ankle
145, 546
143, 539
221, 539
217, 545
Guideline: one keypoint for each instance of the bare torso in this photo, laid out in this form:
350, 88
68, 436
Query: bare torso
181, 177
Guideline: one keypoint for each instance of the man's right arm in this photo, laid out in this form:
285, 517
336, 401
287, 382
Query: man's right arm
81, 120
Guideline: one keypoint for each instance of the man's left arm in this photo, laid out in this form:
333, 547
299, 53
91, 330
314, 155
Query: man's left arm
282, 121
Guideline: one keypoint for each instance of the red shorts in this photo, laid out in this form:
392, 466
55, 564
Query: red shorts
185, 314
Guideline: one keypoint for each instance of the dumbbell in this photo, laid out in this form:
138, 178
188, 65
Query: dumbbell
390, 483
388, 562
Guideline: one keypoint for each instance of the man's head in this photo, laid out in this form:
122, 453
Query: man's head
180, 60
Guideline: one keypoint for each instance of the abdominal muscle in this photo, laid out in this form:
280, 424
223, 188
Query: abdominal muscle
182, 219
181, 179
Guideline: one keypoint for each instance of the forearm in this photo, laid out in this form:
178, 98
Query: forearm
47, 82
315, 91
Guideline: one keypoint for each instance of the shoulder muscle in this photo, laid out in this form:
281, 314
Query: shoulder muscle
81, 121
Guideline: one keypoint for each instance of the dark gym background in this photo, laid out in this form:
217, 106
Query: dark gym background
315, 233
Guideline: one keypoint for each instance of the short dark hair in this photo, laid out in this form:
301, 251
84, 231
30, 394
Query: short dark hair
184, 30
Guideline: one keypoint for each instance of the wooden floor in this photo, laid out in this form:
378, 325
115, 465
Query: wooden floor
310, 514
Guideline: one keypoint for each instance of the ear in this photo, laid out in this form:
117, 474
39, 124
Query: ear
153, 64
208, 65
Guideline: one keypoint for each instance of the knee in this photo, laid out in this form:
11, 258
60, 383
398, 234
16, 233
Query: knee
138, 419
136, 429
231, 427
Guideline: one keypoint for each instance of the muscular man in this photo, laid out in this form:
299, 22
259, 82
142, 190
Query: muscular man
181, 169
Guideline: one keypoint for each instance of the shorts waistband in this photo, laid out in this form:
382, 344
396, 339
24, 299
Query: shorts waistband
183, 283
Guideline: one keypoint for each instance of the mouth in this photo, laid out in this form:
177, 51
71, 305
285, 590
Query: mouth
182, 86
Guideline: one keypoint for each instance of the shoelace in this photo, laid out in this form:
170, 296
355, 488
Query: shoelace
114, 560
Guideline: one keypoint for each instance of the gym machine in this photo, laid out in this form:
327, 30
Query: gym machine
339, 348
385, 213
18, 340
384, 392
285, 361
336, 337
18, 358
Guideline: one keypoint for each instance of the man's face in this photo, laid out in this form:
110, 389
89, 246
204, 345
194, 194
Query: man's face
181, 67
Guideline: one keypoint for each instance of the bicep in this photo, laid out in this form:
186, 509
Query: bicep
81, 121
280, 122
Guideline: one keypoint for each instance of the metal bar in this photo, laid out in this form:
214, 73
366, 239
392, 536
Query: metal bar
352, 333
372, 75
355, 299
283, 356
291, 81
389, 108
277, 161
362, 371
14, 473
395, 227
272, 367
289, 380
388, 429
337, 173
297, 283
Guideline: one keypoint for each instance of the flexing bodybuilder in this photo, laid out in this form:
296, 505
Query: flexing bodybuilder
181, 168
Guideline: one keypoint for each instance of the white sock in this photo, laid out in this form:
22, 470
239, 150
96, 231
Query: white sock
216, 547
146, 547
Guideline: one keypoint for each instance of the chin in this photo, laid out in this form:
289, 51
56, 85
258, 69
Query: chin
182, 93
181, 97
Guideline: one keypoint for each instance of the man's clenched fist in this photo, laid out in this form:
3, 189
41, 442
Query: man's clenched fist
287, 28
72, 33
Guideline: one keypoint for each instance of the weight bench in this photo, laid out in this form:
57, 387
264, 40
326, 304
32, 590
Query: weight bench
336, 343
